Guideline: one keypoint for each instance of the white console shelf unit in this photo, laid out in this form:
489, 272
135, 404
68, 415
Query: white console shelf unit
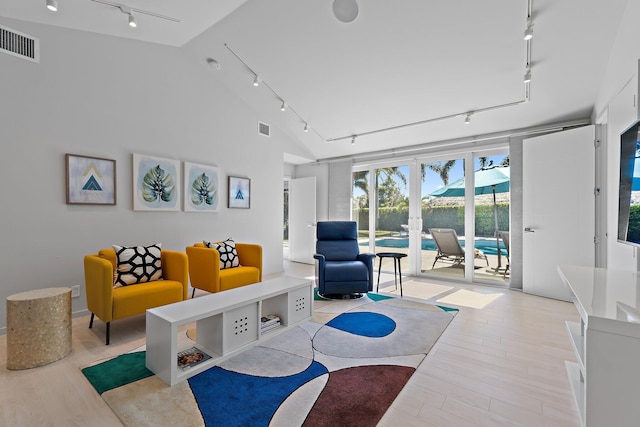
226, 323
606, 378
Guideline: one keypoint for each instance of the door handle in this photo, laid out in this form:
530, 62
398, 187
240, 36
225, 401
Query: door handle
529, 230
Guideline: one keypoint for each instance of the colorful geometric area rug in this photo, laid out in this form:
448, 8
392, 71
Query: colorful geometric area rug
344, 367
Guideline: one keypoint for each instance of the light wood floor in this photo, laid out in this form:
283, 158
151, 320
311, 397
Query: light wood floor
499, 363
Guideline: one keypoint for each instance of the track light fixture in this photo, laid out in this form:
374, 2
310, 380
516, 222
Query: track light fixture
467, 119
256, 81
283, 107
52, 5
306, 127
132, 21
528, 33
353, 140
213, 63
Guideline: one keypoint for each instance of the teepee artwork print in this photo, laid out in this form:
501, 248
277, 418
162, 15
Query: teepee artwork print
201, 190
156, 184
239, 192
90, 180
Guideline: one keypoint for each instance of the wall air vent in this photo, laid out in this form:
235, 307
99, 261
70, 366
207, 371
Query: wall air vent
18, 44
264, 129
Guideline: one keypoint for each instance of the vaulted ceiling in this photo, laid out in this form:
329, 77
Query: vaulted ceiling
415, 67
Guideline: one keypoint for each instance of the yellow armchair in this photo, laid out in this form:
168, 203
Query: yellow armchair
109, 303
205, 272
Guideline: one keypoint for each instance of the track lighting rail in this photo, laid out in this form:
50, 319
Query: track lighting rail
127, 10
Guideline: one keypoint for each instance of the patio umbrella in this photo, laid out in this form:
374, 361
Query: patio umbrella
487, 181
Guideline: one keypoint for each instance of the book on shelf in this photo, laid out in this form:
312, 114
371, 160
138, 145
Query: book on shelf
191, 357
269, 319
270, 327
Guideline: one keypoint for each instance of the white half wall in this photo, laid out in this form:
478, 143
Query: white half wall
108, 97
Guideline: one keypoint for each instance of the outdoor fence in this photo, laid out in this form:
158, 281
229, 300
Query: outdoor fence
391, 219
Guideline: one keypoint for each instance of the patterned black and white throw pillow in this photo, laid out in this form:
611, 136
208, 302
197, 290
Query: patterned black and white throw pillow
137, 264
228, 254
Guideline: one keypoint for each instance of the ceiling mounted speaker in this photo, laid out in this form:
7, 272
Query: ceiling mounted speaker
345, 10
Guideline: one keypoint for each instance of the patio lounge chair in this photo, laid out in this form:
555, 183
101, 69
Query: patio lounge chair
504, 235
449, 248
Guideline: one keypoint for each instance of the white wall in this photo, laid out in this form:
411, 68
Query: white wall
617, 100
340, 183
109, 97
321, 172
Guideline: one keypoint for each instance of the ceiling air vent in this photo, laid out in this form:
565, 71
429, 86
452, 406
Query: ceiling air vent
18, 44
264, 129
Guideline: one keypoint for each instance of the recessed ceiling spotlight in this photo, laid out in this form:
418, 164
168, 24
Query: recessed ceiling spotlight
52, 5
345, 10
132, 21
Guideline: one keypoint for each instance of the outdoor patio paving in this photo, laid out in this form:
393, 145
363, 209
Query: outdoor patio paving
444, 268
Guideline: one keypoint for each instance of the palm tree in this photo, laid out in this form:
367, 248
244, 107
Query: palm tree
391, 172
485, 162
361, 181
361, 178
441, 168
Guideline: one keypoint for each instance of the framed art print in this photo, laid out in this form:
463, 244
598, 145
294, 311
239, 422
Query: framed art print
90, 180
156, 184
239, 192
201, 188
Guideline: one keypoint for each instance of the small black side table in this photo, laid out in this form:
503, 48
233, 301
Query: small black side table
396, 270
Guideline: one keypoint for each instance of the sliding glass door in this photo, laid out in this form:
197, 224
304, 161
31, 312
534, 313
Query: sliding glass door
440, 211
380, 206
443, 217
391, 213
491, 201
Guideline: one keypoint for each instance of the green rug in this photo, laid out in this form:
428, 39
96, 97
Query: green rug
117, 372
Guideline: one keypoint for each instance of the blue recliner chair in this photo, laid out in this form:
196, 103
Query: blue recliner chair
340, 268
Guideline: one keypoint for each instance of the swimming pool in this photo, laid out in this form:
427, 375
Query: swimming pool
485, 245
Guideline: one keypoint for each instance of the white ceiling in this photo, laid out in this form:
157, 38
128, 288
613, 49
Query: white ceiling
399, 62
195, 16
